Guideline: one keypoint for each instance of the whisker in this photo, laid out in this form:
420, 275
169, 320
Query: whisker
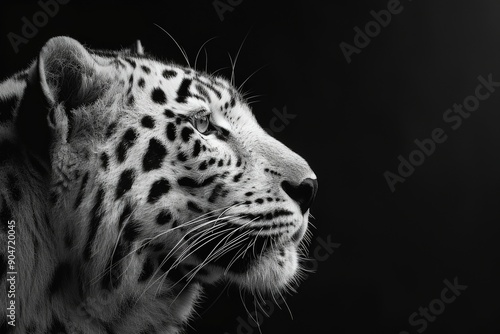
251, 75
286, 304
172, 251
206, 60
236, 58
181, 49
215, 300
220, 69
199, 50
255, 302
232, 68
142, 244
246, 309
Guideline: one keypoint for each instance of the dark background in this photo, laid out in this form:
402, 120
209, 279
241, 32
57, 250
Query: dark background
352, 122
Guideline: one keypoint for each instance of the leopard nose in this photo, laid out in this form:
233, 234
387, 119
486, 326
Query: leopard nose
303, 193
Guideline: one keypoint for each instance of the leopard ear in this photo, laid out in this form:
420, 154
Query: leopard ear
68, 73
65, 77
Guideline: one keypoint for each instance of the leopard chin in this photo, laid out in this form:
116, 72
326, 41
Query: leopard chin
274, 271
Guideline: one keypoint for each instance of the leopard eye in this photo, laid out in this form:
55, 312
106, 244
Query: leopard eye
202, 123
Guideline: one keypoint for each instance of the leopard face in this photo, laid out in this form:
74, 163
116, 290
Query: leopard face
173, 177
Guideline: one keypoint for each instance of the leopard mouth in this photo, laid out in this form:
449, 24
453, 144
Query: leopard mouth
250, 258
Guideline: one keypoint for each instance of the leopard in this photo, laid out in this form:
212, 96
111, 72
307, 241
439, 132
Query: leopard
130, 184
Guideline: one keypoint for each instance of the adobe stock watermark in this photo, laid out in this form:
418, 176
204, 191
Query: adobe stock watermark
30, 28
322, 252
279, 121
420, 320
372, 29
223, 6
453, 118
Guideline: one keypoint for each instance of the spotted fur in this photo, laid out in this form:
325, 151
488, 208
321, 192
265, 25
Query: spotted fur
133, 183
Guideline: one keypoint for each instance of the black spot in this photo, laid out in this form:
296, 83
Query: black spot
169, 113
61, 275
104, 161
131, 62
111, 130
141, 82
148, 122
168, 74
226, 105
194, 207
203, 92
125, 183
131, 230
259, 201
183, 91
216, 92
81, 191
220, 163
249, 193
191, 183
130, 101
281, 213
182, 157
127, 141
203, 165
196, 148
147, 270
124, 216
158, 96
211, 161
238, 163
153, 159
232, 102
13, 187
164, 217
95, 220
171, 130
158, 189
7, 106
146, 69
237, 177
222, 134
186, 133
216, 192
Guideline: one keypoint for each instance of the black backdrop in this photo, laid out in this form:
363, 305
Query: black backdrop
387, 253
